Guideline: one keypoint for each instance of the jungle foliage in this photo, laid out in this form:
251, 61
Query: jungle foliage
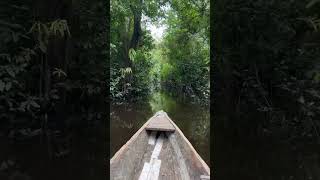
266, 67
53, 71
179, 62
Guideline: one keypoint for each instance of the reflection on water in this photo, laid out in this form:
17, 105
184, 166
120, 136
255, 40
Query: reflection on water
191, 118
162, 101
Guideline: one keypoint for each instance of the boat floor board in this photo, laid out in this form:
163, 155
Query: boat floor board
151, 170
160, 123
175, 157
145, 158
169, 169
180, 159
152, 138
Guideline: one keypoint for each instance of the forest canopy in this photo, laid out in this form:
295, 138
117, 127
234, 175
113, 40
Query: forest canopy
178, 62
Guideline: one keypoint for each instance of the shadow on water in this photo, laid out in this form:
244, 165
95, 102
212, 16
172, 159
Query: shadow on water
191, 118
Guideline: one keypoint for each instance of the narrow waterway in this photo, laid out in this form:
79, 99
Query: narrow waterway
192, 118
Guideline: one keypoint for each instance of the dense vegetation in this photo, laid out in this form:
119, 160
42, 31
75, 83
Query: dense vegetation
266, 67
265, 89
179, 62
53, 72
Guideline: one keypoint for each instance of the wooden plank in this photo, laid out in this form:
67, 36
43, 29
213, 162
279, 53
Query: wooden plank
157, 148
152, 138
129, 162
121, 161
205, 166
154, 169
181, 161
131, 141
170, 168
145, 171
151, 170
160, 122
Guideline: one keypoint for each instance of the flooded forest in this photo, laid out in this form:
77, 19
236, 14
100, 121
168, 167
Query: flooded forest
160, 61
240, 78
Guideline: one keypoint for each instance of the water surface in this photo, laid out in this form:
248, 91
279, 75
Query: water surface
192, 118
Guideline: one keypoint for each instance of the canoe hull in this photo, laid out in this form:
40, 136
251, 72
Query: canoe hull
179, 160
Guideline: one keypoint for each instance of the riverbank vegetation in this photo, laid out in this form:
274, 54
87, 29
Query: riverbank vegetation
53, 72
265, 58
267, 67
177, 62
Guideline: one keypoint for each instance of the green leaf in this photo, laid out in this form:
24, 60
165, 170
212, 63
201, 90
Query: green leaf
61, 30
45, 29
59, 72
132, 54
32, 28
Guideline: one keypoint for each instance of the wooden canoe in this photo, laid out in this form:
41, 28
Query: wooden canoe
158, 150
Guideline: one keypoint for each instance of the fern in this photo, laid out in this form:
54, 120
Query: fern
132, 54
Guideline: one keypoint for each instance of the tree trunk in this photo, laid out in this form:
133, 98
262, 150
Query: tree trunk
137, 32
136, 36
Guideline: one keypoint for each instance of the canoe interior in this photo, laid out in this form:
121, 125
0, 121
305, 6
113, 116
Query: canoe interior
179, 161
